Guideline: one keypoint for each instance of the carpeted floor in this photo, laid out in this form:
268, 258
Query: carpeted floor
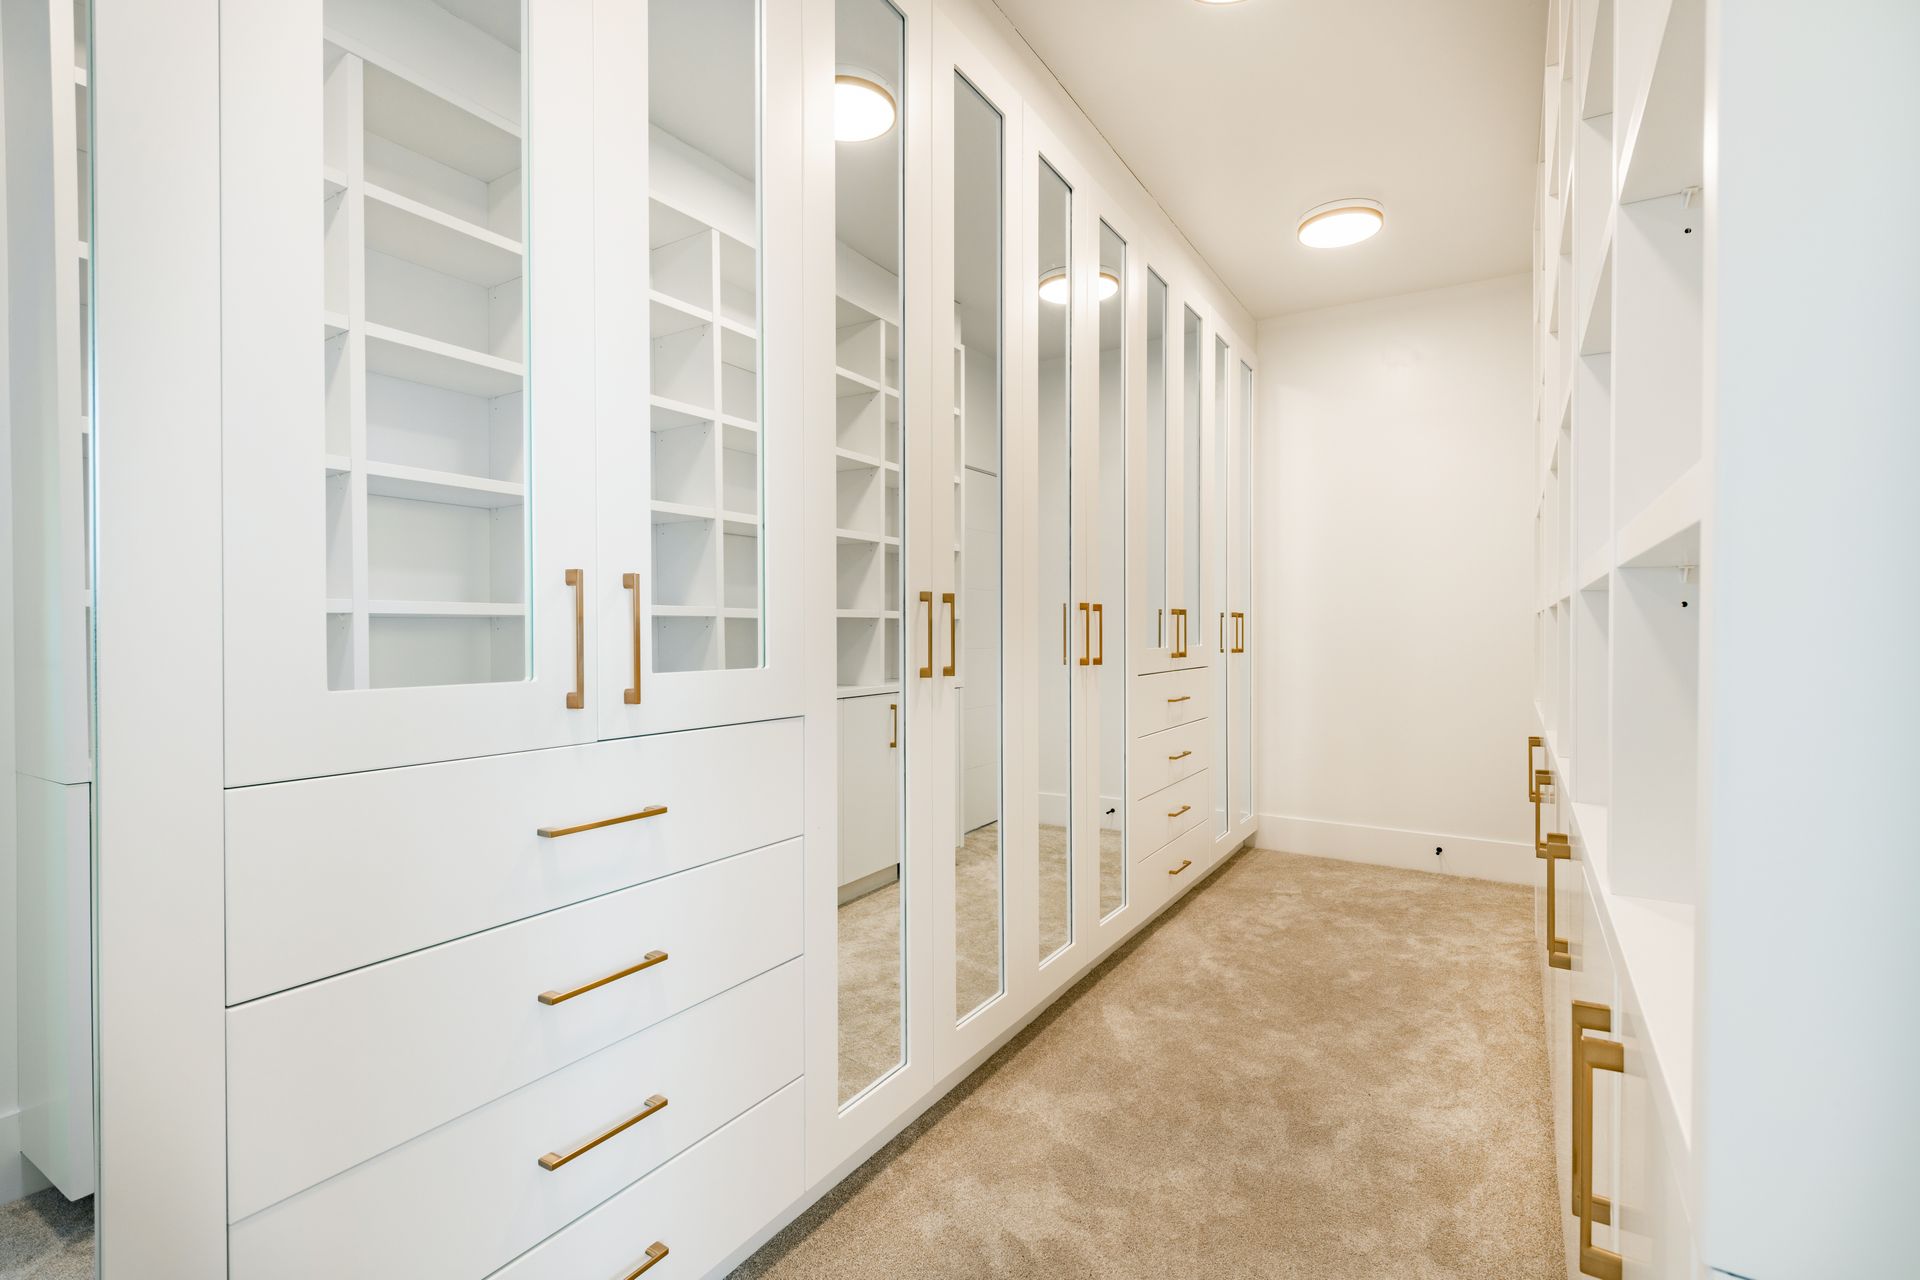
1305, 1069
46, 1237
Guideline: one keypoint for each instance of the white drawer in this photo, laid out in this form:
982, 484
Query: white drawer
1173, 869
321, 1078
472, 1195
330, 874
701, 1207
1162, 759
1168, 699
1169, 813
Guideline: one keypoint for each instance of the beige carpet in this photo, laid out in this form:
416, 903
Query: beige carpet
870, 944
46, 1237
1305, 1069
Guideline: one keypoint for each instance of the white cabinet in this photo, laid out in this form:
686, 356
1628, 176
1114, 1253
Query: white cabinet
869, 818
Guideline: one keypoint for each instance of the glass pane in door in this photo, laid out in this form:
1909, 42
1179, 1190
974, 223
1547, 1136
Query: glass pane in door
1192, 607
868, 587
1110, 573
1225, 622
1152, 626
704, 406
1053, 551
979, 855
425, 349
1242, 692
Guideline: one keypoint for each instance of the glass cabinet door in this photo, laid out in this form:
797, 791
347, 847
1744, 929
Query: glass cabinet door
1191, 610
408, 498
1107, 574
1156, 598
698, 600
1240, 692
1064, 624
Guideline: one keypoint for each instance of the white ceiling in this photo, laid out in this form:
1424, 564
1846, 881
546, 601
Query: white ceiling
1238, 118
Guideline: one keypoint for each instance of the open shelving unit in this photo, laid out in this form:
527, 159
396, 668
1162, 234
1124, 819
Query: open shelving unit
867, 527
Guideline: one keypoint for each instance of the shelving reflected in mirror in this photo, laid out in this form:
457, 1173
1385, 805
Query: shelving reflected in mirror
1060, 653
979, 855
1110, 578
870, 593
1192, 488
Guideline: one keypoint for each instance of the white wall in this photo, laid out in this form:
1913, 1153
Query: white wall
1394, 569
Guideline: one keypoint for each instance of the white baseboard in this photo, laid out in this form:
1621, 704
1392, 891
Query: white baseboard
18, 1177
1508, 861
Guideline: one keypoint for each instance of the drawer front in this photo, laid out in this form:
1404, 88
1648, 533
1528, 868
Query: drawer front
702, 1206
1169, 813
1174, 869
472, 1195
1168, 699
331, 874
329, 1075
1161, 759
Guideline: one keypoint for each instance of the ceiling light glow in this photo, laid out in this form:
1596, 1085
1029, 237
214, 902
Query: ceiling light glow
1054, 288
863, 106
1340, 223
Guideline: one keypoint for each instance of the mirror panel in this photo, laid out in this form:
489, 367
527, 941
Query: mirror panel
1191, 547
1110, 569
1225, 625
1061, 650
1152, 623
979, 854
1242, 698
869, 586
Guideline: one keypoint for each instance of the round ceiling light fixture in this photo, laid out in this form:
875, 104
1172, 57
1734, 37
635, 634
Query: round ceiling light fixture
1055, 290
1340, 223
863, 106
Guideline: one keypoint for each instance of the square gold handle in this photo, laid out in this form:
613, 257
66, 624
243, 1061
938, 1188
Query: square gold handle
1593, 1054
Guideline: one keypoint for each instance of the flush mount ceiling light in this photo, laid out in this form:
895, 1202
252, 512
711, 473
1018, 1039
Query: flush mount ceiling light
863, 106
1054, 289
1339, 223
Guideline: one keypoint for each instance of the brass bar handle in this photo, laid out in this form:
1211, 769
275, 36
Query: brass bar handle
1180, 633
554, 1159
926, 671
1182, 756
1064, 614
1534, 743
1587, 1016
577, 579
1182, 809
1086, 634
651, 959
631, 581
1239, 633
894, 742
1184, 864
1542, 779
1100, 617
655, 1252
953, 627
1222, 646
1559, 956
1185, 697
554, 833
1160, 624
1594, 1054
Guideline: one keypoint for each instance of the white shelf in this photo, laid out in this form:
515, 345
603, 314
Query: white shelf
414, 358
865, 690
405, 228
338, 464
867, 615
852, 460
333, 323
443, 609
387, 480
1667, 532
1597, 568
671, 315
1663, 152
856, 537
678, 412
333, 180
1596, 328
849, 383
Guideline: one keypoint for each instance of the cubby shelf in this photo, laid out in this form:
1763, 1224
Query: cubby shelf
405, 228
1667, 530
1661, 153
413, 357
444, 609
388, 480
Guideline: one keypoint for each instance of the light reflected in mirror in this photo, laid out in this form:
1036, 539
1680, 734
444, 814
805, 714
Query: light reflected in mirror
868, 586
1224, 632
979, 856
1064, 625
1110, 569
1152, 627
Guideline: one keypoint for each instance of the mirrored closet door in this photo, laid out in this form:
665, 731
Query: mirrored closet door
1220, 528
894, 638
1106, 539
1158, 576
408, 491
1240, 594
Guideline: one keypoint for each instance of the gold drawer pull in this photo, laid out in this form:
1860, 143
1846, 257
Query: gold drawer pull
1587, 1016
651, 959
1182, 809
1184, 864
554, 833
553, 1159
1185, 697
631, 581
655, 1252
1182, 756
1593, 1054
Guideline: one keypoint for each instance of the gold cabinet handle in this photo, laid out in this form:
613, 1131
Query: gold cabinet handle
1182, 756
1065, 613
1587, 1016
953, 627
1100, 619
631, 581
1593, 1054
1240, 633
1179, 632
577, 579
1542, 780
1086, 634
1533, 789
1182, 809
894, 742
1558, 954
655, 1252
1185, 697
1160, 625
554, 1159
926, 671
554, 833
1184, 864
1222, 646
651, 959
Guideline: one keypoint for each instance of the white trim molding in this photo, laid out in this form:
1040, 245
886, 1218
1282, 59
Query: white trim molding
1507, 861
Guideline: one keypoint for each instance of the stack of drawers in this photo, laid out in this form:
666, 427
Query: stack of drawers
1167, 770
465, 1009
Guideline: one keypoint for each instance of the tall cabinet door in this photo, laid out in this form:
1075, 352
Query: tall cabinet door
1239, 593
408, 502
699, 363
